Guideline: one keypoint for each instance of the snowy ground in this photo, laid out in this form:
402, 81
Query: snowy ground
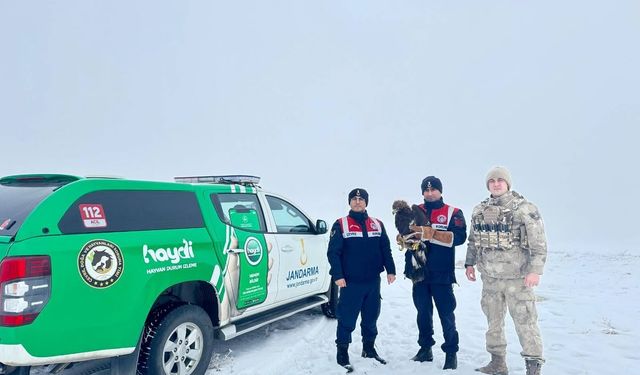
588, 317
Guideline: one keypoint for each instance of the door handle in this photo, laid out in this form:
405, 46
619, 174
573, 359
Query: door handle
287, 248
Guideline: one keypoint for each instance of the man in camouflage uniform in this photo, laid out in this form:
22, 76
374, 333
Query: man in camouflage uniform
507, 243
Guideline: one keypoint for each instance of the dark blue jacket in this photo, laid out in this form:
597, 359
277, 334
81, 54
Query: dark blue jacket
359, 249
441, 259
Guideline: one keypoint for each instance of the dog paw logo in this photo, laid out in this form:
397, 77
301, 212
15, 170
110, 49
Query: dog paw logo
100, 263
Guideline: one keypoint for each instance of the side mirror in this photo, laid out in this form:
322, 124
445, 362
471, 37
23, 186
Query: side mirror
321, 227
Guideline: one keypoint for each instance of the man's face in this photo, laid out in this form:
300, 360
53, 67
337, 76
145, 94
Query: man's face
497, 187
431, 195
357, 204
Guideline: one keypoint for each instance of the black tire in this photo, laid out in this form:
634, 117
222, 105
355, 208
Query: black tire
170, 327
329, 308
22, 370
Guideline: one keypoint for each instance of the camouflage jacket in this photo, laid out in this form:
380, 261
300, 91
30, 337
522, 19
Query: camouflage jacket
507, 239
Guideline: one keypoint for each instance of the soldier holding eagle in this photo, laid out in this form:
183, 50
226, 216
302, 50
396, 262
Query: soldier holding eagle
430, 232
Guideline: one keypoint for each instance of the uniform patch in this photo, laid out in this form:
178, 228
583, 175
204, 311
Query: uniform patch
100, 263
458, 222
333, 232
442, 219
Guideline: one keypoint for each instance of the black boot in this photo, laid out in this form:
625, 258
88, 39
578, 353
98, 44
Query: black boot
343, 357
424, 355
451, 362
369, 351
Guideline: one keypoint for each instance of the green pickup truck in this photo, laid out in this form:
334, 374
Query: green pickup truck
116, 276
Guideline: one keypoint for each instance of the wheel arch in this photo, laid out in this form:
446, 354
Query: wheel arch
199, 293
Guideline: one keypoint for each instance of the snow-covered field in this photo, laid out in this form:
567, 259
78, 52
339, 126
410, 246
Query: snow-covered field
588, 316
588, 312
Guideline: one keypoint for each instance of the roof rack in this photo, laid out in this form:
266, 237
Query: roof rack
239, 179
95, 176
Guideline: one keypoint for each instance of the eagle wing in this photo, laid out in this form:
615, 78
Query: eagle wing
403, 217
419, 215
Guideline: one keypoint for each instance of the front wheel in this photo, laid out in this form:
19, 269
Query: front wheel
177, 341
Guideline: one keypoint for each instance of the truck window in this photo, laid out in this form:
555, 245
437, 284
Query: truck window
132, 210
240, 210
16, 203
288, 218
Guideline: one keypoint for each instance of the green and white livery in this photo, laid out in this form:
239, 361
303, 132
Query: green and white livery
123, 276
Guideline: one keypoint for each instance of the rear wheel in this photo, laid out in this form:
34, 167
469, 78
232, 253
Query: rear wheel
22, 370
177, 341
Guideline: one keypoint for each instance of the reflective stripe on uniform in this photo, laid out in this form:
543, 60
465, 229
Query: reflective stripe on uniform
375, 233
351, 228
346, 230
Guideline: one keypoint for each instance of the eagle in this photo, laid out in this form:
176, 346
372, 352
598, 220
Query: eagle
406, 216
416, 259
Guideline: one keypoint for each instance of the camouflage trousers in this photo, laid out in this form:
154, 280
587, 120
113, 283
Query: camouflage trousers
497, 296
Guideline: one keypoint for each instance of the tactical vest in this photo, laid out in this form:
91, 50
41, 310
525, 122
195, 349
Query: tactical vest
351, 228
494, 226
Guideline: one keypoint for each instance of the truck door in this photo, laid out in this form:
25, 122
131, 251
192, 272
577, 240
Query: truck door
302, 253
246, 271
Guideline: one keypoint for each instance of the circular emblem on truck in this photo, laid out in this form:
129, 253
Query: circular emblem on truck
100, 263
253, 251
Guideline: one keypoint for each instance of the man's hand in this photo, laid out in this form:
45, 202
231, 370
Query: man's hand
471, 273
423, 233
412, 238
342, 283
391, 278
531, 280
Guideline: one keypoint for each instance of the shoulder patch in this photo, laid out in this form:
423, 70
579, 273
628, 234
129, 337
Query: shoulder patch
529, 209
458, 222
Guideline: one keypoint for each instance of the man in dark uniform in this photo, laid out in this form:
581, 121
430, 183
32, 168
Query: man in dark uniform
445, 230
358, 252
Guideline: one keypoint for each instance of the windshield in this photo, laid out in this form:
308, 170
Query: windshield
17, 201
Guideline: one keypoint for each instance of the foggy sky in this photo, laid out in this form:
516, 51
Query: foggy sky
320, 97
